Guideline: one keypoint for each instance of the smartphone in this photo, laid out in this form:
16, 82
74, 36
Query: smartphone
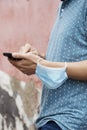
9, 55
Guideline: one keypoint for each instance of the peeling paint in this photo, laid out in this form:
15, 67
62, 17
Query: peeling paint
18, 110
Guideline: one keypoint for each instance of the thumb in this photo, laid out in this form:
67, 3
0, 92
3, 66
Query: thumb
19, 55
27, 56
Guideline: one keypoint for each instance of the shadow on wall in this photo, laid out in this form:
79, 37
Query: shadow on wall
19, 102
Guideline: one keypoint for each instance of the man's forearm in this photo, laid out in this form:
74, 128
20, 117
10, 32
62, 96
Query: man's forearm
75, 70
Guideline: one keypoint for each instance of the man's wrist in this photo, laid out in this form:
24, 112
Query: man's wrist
42, 61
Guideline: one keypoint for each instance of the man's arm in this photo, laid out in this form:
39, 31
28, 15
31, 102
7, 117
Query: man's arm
75, 70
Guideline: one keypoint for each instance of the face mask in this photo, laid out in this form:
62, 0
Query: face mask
51, 77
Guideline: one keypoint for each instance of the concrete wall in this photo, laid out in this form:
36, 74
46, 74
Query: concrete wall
24, 21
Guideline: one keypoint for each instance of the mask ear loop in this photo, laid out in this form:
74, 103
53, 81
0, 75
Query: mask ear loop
65, 65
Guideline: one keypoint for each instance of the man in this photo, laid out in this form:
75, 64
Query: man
63, 72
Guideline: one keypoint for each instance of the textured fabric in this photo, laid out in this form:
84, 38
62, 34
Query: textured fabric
67, 105
50, 126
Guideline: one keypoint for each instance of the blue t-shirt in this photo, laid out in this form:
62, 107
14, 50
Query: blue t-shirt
67, 105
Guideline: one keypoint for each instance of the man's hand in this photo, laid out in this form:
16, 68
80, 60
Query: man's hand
26, 66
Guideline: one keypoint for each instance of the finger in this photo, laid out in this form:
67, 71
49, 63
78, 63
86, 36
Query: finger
29, 56
14, 63
19, 55
28, 69
25, 48
21, 64
33, 57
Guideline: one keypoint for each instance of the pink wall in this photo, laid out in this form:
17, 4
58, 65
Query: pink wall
24, 21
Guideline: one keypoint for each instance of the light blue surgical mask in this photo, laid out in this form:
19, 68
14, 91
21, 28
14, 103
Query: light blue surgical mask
51, 77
